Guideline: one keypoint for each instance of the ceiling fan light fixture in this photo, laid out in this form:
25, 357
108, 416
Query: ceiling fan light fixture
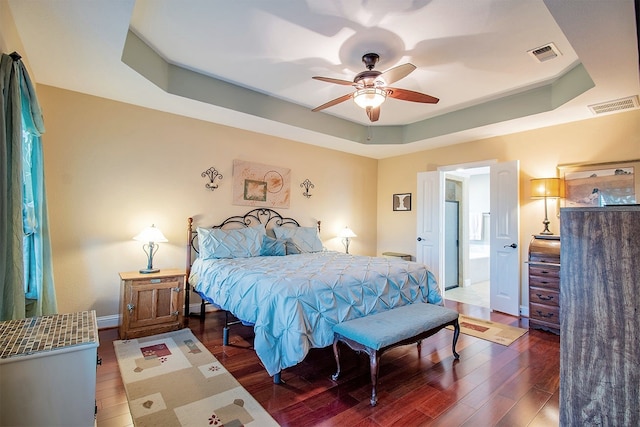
370, 97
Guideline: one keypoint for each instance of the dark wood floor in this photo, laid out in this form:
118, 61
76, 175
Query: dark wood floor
491, 385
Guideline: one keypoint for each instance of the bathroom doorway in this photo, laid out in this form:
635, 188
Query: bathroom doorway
467, 191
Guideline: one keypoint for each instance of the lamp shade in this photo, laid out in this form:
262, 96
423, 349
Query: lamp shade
370, 97
346, 232
151, 234
545, 187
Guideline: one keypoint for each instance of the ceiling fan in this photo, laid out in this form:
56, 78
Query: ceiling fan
372, 90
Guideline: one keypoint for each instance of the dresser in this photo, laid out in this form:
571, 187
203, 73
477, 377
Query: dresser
600, 316
48, 370
544, 283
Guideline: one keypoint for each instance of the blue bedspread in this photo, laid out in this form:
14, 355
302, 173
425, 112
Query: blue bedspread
293, 301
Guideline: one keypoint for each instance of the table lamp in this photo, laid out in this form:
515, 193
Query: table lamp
545, 188
151, 236
346, 234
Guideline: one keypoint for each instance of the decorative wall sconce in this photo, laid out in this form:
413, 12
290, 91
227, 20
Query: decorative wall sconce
306, 184
212, 174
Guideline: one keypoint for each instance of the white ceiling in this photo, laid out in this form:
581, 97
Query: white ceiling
227, 55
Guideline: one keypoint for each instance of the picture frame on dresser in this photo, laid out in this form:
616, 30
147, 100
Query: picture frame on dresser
600, 184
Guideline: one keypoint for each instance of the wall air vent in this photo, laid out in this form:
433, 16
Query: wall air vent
544, 53
627, 103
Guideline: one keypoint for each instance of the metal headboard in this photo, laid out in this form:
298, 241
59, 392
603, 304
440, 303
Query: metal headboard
266, 216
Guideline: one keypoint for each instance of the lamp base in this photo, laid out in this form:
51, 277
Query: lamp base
149, 270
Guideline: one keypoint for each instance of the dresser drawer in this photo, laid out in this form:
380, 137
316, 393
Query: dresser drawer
545, 313
544, 259
544, 282
547, 276
544, 296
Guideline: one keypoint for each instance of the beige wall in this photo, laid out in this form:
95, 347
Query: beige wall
112, 169
603, 139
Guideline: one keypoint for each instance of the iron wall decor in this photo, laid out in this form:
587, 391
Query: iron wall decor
212, 174
402, 202
306, 184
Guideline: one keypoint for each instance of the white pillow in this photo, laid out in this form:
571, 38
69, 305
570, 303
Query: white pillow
235, 243
303, 239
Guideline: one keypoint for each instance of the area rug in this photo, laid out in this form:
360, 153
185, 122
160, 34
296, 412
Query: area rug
487, 330
173, 380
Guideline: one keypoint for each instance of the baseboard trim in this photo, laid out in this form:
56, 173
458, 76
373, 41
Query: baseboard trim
113, 320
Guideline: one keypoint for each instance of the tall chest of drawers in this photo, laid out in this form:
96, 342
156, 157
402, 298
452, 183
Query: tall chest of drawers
544, 283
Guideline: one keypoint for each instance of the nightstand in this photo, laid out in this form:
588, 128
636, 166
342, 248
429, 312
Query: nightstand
405, 257
151, 303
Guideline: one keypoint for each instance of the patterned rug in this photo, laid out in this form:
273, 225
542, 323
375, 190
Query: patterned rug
173, 380
487, 330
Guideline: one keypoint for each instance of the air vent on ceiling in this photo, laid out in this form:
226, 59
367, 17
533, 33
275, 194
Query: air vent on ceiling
544, 53
627, 103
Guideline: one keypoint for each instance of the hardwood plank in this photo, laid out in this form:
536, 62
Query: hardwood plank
490, 384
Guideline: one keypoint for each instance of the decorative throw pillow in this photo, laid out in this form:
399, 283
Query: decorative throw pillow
302, 239
236, 243
272, 247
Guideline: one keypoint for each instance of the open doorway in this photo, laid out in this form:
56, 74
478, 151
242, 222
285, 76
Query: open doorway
466, 223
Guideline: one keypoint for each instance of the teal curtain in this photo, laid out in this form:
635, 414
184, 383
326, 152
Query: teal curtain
26, 267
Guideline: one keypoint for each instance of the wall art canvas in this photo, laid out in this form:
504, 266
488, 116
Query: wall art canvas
600, 184
259, 185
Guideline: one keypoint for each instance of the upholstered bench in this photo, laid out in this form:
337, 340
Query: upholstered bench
379, 332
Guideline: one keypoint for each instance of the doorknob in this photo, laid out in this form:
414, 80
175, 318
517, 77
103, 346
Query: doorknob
419, 239
513, 245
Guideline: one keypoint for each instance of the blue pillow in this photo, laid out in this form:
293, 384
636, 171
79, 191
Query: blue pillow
236, 243
300, 239
272, 247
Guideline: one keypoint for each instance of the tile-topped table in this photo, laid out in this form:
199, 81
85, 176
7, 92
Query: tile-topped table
48, 370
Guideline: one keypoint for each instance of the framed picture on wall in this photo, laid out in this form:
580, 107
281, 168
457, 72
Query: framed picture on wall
402, 202
600, 184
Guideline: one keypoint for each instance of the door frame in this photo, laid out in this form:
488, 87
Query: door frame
438, 200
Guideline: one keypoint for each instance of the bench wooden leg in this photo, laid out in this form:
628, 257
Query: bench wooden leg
374, 358
456, 334
336, 355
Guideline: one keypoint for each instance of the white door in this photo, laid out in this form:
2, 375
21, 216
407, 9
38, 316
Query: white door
505, 259
430, 215
504, 228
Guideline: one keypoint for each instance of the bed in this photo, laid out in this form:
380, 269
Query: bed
273, 274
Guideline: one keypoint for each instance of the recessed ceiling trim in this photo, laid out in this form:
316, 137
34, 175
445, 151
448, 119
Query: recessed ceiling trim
190, 84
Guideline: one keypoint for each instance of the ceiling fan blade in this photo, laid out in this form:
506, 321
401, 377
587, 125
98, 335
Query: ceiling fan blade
394, 74
333, 102
336, 81
409, 95
373, 113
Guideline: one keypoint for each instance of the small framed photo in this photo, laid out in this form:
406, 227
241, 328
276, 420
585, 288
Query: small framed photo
402, 202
